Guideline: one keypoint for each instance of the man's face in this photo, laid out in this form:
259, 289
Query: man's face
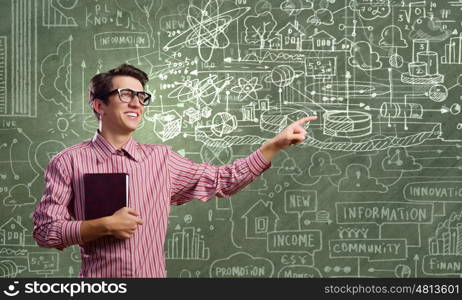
120, 117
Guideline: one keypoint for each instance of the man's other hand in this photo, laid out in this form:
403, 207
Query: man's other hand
123, 223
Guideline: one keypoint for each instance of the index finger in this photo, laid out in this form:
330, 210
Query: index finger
306, 120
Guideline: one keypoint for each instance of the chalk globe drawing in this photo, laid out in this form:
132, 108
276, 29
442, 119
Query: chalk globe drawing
438, 93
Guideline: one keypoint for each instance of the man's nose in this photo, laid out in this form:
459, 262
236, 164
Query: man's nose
135, 101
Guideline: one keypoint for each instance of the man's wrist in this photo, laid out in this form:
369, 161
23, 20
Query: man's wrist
105, 225
96, 228
269, 150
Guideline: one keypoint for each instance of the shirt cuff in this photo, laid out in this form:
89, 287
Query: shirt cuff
70, 233
257, 162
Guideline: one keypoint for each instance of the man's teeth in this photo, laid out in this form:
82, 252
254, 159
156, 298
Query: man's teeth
132, 115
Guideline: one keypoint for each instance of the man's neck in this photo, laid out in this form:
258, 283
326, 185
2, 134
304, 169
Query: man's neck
118, 140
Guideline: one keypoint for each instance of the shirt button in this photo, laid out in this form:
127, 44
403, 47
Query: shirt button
120, 152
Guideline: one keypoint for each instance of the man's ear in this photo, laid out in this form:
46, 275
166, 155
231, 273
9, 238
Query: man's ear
98, 106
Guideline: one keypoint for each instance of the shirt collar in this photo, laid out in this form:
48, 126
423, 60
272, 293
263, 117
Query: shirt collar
105, 149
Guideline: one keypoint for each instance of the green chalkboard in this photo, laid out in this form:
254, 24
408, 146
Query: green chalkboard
375, 191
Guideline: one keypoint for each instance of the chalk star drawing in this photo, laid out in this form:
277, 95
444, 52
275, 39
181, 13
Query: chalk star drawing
207, 29
247, 88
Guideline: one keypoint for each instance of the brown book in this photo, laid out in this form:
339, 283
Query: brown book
105, 193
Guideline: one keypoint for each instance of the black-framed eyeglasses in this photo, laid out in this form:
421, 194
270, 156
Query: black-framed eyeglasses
126, 95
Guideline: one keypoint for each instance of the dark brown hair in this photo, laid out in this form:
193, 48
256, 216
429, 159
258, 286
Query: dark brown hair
101, 84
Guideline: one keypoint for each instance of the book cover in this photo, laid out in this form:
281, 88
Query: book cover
105, 193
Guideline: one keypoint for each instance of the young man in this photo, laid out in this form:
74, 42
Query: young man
130, 243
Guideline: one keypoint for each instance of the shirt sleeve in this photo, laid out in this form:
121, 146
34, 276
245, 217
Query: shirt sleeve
203, 181
53, 225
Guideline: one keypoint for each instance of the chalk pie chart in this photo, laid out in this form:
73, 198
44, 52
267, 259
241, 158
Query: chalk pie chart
275, 120
349, 124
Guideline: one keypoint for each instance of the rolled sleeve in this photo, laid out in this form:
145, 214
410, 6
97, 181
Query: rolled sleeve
257, 163
70, 233
53, 224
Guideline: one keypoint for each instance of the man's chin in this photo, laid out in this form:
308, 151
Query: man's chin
130, 128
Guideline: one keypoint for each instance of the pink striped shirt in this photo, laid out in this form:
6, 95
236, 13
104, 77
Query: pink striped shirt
158, 178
